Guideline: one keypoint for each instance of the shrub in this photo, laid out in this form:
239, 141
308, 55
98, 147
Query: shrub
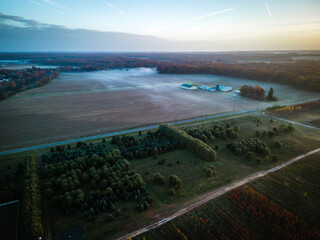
278, 144
275, 158
158, 179
236, 129
172, 192
250, 156
258, 160
290, 128
271, 134
175, 181
209, 172
258, 133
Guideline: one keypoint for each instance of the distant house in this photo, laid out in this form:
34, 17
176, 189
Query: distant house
211, 89
188, 86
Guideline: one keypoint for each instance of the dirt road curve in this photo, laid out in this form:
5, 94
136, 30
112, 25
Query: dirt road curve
216, 193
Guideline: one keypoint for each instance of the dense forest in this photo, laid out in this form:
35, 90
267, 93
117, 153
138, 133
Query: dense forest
14, 81
304, 75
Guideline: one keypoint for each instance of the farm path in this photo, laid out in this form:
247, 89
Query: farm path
214, 194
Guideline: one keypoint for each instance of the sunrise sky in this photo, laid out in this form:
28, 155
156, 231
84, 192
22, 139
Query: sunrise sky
193, 25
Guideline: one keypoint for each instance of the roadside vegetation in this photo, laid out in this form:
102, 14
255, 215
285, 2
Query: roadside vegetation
308, 113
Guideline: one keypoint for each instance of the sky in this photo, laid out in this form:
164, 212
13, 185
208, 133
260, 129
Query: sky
166, 25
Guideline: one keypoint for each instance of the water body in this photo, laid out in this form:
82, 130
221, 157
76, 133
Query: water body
88, 103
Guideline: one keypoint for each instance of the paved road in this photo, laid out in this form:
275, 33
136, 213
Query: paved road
139, 129
216, 193
288, 121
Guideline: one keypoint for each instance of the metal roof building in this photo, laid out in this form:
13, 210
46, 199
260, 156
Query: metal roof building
188, 86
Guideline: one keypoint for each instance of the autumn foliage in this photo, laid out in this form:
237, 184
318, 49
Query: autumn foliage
15, 81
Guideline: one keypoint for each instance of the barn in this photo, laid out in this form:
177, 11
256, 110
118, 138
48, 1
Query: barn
210, 89
188, 87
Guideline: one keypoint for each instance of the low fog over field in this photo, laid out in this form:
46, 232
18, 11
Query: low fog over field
85, 103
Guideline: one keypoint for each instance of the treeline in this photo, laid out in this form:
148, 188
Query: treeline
14, 81
31, 207
304, 75
95, 63
82, 149
153, 144
217, 130
255, 92
195, 145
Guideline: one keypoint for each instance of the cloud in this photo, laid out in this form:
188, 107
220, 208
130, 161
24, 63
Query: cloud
25, 22
118, 10
270, 14
55, 4
50, 8
39, 37
211, 14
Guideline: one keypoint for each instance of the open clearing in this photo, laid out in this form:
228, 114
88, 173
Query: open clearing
88, 103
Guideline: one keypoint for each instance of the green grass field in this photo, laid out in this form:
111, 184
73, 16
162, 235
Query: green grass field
285, 205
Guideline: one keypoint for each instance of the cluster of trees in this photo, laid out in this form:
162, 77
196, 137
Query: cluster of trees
210, 171
21, 80
31, 208
195, 145
251, 147
283, 129
255, 92
174, 181
219, 131
110, 179
82, 149
79, 62
153, 144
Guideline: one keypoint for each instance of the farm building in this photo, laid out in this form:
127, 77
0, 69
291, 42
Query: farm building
188, 86
211, 89
223, 88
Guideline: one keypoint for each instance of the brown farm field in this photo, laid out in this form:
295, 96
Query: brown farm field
89, 103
